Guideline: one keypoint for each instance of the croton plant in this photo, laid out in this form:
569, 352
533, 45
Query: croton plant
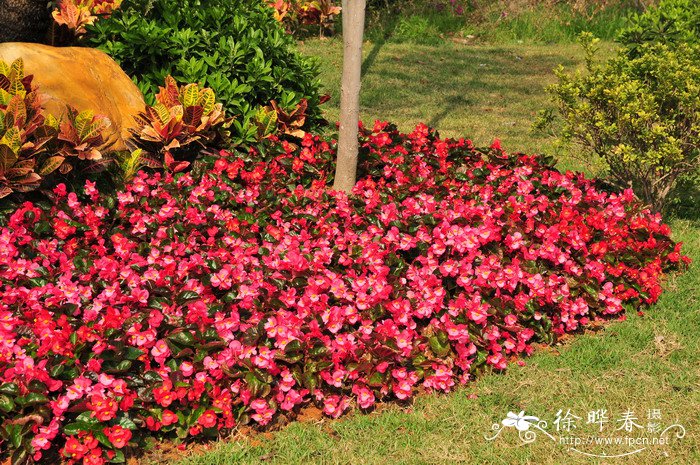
188, 304
303, 13
183, 120
33, 145
75, 15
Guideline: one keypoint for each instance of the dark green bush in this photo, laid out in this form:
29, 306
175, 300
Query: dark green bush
671, 22
235, 47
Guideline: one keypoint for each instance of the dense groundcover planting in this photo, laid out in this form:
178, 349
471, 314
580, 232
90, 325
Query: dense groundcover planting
186, 305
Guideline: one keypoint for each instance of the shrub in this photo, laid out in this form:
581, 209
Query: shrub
671, 22
234, 47
34, 145
181, 123
640, 114
300, 16
20, 118
76, 137
191, 303
71, 17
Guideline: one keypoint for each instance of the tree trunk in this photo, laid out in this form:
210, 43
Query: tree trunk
353, 30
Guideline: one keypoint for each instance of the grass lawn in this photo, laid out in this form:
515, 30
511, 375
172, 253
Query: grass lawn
646, 362
481, 92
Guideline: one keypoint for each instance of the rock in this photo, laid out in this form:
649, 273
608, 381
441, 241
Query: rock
85, 78
24, 20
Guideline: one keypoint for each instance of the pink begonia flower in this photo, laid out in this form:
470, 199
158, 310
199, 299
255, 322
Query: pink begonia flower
247, 287
334, 406
365, 396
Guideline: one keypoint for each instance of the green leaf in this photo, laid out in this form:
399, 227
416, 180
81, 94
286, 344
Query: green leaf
6, 403
14, 434
42, 227
86, 417
438, 348
310, 381
126, 422
102, 438
33, 398
118, 456
17, 69
318, 350
132, 353
37, 386
56, 370
292, 347
182, 337
19, 456
73, 429
207, 100
186, 296
50, 165
9, 388
155, 303
123, 366
376, 379
82, 122
152, 377
190, 95
257, 387
162, 113
591, 290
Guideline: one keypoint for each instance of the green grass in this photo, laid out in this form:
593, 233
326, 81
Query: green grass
433, 22
545, 24
481, 92
646, 362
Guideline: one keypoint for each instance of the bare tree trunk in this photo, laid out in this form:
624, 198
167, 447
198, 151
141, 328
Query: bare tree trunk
353, 30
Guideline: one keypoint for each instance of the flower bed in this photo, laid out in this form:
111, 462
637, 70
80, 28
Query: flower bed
190, 304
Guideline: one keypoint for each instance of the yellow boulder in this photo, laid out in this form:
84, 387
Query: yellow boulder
85, 78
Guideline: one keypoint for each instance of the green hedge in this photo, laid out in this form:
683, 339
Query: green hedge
235, 47
672, 22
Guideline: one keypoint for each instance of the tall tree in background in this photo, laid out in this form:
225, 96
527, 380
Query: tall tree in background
353, 31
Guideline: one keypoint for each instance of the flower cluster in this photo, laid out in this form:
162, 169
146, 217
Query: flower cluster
191, 303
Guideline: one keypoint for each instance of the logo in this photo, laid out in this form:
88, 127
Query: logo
599, 434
